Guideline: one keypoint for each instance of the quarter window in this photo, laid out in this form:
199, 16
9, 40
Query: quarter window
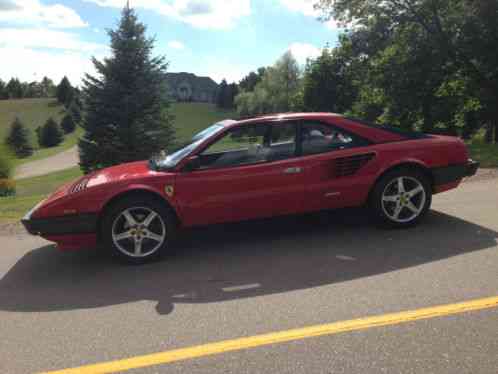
320, 138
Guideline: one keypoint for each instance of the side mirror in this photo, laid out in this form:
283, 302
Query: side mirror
193, 163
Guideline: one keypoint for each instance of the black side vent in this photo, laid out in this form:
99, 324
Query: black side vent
348, 166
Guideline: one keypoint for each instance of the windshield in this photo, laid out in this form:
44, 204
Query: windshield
170, 161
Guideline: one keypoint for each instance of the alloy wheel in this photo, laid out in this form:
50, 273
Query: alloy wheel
403, 199
138, 232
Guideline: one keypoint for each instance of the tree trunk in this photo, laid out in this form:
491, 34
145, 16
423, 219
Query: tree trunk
496, 133
488, 138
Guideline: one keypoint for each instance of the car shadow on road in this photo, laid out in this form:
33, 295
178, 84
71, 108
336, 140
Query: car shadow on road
242, 260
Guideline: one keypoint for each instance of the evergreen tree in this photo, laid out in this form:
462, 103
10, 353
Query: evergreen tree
68, 124
126, 114
50, 134
47, 87
18, 139
3, 93
75, 112
14, 89
233, 90
221, 95
64, 92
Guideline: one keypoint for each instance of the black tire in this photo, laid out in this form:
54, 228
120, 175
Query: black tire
382, 209
139, 206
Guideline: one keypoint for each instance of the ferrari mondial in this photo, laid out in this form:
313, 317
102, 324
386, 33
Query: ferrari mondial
260, 167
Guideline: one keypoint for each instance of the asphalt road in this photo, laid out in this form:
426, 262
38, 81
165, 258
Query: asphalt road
63, 310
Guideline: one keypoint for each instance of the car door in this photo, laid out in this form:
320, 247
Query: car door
340, 166
251, 172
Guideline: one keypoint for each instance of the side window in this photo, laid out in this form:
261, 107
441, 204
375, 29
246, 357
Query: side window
282, 142
320, 138
240, 146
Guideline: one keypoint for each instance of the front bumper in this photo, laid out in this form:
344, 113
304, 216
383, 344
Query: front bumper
471, 168
67, 225
454, 173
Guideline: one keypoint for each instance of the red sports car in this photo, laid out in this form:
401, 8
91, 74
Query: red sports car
259, 167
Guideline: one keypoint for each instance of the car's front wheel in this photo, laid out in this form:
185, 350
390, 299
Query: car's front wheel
138, 229
402, 198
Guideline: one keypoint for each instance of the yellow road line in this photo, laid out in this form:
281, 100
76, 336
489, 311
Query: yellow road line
281, 337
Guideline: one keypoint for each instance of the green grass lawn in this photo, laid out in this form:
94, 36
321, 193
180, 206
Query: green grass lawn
190, 118
30, 191
34, 113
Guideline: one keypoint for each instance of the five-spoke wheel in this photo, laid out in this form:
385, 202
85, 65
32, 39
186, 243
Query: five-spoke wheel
138, 231
402, 197
138, 228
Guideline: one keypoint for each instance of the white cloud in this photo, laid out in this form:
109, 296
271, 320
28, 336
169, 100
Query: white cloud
303, 51
33, 12
32, 65
307, 8
30, 54
175, 44
204, 14
46, 38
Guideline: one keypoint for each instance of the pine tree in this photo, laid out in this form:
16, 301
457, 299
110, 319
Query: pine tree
14, 89
126, 114
18, 139
222, 94
64, 92
68, 124
75, 112
50, 134
3, 93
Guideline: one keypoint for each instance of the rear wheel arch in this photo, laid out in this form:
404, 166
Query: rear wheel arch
134, 193
413, 166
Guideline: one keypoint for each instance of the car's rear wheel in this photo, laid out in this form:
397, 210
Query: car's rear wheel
402, 198
138, 229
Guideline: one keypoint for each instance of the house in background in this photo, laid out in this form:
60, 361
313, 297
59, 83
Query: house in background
187, 87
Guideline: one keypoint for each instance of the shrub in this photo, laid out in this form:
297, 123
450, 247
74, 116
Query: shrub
18, 139
50, 134
7, 185
68, 124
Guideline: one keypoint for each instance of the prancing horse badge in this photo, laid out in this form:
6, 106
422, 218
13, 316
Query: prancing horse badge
170, 191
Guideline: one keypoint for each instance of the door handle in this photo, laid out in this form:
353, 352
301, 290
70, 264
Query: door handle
294, 170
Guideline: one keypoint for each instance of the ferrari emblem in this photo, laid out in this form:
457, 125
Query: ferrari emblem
170, 191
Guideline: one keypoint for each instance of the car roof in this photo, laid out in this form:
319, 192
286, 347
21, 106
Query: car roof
279, 117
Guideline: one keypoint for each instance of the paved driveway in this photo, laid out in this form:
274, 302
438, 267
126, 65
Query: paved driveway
60, 161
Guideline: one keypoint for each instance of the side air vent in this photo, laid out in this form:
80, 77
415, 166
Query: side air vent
348, 166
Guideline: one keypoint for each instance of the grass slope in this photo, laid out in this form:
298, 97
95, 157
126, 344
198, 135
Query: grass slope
31, 190
34, 113
190, 118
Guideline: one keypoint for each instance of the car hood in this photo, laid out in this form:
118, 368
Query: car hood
128, 171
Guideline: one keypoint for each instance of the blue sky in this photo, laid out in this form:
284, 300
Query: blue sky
217, 38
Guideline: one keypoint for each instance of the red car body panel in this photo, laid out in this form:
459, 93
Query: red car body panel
253, 191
